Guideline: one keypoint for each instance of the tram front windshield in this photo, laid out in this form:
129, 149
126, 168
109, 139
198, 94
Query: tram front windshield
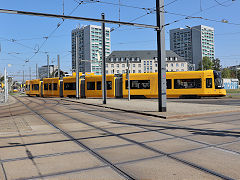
218, 80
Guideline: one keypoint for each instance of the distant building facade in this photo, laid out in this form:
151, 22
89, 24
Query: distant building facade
193, 43
144, 61
90, 48
43, 71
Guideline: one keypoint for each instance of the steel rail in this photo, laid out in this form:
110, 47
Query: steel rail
207, 145
95, 154
193, 165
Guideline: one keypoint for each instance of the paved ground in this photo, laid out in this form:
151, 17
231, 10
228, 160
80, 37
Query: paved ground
43, 138
1, 97
176, 108
213, 101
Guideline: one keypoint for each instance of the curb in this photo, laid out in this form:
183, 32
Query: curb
154, 115
130, 111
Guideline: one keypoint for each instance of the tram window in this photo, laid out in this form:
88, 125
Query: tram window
32, 87
50, 86
169, 83
69, 86
55, 86
138, 84
208, 82
187, 83
28, 87
90, 85
109, 85
36, 87
45, 86
99, 85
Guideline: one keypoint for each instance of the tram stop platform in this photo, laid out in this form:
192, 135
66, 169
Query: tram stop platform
175, 108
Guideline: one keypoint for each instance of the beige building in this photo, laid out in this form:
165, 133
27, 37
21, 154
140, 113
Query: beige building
143, 61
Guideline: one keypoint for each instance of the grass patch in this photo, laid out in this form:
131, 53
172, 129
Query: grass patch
233, 90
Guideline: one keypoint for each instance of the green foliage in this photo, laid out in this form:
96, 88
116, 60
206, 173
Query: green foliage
207, 64
226, 73
216, 65
2, 79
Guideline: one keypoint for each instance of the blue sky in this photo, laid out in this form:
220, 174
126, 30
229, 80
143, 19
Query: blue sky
21, 36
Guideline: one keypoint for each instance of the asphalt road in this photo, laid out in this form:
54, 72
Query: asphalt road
48, 138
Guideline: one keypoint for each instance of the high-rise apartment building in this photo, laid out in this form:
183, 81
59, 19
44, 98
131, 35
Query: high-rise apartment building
90, 48
193, 43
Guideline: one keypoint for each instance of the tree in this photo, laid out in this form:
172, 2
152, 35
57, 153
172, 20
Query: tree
216, 65
2, 79
226, 73
207, 64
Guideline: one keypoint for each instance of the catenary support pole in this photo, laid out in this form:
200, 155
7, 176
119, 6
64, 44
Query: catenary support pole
30, 72
5, 85
104, 92
48, 70
23, 76
36, 71
161, 53
58, 59
77, 68
128, 78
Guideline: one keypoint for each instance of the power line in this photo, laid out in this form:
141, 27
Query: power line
185, 16
117, 4
58, 25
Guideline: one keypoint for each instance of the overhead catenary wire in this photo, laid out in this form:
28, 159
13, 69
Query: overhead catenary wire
47, 37
185, 16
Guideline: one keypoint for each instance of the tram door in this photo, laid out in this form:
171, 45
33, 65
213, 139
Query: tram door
41, 88
118, 87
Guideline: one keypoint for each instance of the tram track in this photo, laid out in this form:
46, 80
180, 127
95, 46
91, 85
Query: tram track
145, 146
91, 151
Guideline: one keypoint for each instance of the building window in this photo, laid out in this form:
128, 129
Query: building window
172, 64
147, 62
182, 64
123, 65
106, 65
117, 71
111, 59
112, 65
144, 62
132, 59
122, 59
177, 65
156, 70
133, 65
150, 62
123, 71
156, 65
117, 65
167, 65
106, 71
139, 71
138, 59
117, 59
133, 71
